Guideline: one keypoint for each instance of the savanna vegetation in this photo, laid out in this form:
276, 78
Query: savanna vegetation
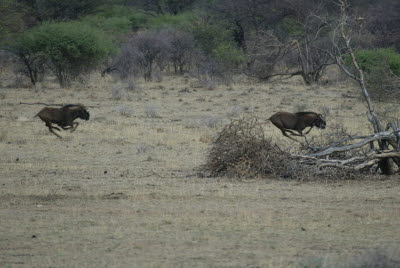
177, 166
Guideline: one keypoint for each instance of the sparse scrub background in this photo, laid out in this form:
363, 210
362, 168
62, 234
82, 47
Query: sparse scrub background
167, 172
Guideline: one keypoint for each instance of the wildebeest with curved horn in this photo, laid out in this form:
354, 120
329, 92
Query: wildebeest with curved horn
287, 122
63, 117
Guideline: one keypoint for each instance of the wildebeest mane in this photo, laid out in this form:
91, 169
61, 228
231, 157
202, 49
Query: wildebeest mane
73, 106
305, 113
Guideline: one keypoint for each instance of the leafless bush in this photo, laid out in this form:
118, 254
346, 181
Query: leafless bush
241, 150
262, 60
117, 92
181, 49
144, 52
152, 111
125, 111
235, 111
19, 81
209, 71
141, 148
211, 121
334, 75
133, 85
325, 110
124, 65
157, 75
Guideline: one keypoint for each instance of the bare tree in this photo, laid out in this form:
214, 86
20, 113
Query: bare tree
181, 49
343, 33
140, 55
296, 41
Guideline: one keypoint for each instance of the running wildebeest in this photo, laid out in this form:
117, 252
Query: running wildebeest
287, 122
63, 117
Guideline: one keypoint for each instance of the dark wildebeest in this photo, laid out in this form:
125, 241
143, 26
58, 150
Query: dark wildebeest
63, 117
287, 122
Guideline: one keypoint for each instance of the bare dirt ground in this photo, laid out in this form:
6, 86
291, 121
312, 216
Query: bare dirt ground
123, 189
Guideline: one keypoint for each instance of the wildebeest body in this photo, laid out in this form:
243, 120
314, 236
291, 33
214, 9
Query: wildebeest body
63, 117
287, 122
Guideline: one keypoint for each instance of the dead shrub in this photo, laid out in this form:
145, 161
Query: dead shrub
242, 150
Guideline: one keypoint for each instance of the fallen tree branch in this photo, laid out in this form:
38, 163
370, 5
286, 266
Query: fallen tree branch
376, 137
355, 163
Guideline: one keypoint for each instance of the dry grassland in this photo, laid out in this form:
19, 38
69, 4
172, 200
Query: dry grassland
123, 189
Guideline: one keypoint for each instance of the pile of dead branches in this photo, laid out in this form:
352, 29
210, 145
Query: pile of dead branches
241, 150
358, 153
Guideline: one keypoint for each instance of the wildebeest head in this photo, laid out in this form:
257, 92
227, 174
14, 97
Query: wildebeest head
320, 122
78, 110
83, 114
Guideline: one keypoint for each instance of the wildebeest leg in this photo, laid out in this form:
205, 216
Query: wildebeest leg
308, 131
52, 131
76, 125
286, 135
291, 132
65, 128
306, 140
54, 127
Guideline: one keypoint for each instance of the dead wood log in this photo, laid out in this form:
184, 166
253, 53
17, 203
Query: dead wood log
376, 137
355, 163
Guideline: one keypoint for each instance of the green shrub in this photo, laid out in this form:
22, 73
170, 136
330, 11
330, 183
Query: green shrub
370, 59
229, 54
382, 71
291, 28
162, 21
216, 39
27, 48
112, 25
71, 48
116, 20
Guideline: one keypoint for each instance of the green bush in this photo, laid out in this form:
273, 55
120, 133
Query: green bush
216, 39
229, 54
370, 59
381, 70
112, 25
177, 21
291, 28
70, 48
27, 48
116, 20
